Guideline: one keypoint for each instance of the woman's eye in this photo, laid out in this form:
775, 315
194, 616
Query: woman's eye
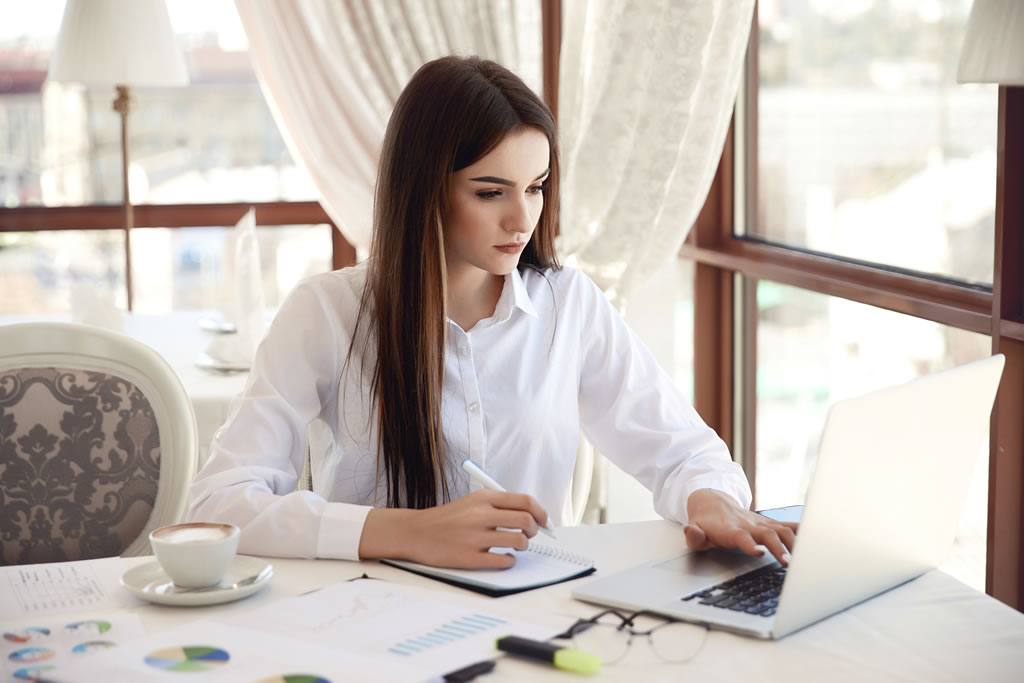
489, 194
536, 189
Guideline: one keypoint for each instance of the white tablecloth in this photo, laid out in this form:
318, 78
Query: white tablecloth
179, 339
933, 628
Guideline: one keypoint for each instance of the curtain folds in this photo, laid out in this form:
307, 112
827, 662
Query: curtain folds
331, 71
646, 93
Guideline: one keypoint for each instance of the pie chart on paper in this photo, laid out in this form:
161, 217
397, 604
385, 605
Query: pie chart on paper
190, 658
91, 646
31, 654
98, 626
31, 673
27, 634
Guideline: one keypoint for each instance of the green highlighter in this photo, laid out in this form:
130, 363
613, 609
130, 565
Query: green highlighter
567, 658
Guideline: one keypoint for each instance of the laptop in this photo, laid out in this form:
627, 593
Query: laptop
883, 508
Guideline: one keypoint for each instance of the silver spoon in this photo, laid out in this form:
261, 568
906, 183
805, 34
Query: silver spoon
241, 583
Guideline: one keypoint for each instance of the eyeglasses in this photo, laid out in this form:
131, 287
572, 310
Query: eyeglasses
609, 634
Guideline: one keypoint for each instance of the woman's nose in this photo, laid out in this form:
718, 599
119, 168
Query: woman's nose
520, 218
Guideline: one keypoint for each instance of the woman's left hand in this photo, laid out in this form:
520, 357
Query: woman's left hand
715, 519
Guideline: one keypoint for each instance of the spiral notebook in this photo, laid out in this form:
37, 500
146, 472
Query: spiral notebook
539, 565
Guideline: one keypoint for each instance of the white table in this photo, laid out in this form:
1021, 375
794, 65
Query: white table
931, 629
179, 339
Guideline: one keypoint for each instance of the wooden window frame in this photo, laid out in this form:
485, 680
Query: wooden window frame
111, 217
720, 353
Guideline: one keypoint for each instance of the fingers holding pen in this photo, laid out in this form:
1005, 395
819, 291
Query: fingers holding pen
462, 532
530, 513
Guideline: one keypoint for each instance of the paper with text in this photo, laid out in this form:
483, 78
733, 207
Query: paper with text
432, 632
61, 587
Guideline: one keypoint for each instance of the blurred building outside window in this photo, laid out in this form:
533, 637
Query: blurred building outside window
212, 141
867, 147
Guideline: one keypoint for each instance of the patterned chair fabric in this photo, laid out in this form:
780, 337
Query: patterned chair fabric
79, 464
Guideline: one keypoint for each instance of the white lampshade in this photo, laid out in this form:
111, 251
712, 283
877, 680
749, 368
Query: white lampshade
993, 50
117, 42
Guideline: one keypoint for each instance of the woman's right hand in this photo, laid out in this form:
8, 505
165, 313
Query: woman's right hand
458, 534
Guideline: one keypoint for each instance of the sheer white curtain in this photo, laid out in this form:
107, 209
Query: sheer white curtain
646, 92
331, 71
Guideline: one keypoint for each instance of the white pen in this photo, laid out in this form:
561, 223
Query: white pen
482, 478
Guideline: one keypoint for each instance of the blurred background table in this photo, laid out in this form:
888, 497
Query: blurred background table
179, 338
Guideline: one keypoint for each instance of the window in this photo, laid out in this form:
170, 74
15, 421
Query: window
823, 226
866, 146
813, 350
213, 141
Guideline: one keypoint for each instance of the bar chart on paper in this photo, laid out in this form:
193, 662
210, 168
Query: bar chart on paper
401, 624
451, 631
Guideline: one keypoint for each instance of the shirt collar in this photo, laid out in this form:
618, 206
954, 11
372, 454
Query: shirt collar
513, 295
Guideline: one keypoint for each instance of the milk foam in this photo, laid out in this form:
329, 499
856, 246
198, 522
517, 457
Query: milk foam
194, 535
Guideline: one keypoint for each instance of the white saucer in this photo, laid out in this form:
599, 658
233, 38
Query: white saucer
150, 582
217, 326
205, 361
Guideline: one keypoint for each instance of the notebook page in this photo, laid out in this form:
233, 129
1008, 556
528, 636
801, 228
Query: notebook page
537, 566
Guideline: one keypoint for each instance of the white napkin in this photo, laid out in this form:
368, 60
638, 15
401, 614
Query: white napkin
92, 306
244, 308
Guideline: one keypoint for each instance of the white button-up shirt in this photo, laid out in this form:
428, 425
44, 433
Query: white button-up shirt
517, 387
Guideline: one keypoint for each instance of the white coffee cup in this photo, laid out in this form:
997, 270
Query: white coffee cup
195, 554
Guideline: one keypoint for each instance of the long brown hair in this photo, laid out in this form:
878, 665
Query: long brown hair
452, 113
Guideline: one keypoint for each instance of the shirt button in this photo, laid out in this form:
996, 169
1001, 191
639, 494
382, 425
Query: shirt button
463, 350
474, 406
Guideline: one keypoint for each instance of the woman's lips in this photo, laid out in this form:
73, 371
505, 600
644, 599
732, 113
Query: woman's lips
511, 248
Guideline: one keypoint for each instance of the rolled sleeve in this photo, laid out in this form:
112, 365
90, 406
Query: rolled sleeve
633, 413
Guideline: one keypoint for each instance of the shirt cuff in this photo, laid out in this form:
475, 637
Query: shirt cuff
341, 528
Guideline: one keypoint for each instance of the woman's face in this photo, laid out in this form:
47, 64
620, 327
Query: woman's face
495, 205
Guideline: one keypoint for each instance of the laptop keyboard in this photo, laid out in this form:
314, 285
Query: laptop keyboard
756, 592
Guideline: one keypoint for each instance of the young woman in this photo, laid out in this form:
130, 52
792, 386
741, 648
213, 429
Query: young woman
460, 338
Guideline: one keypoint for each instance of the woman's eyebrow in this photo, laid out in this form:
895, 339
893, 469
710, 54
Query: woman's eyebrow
502, 181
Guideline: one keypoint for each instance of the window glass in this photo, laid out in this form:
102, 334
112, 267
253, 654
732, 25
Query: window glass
39, 270
866, 146
200, 271
213, 140
813, 350
174, 269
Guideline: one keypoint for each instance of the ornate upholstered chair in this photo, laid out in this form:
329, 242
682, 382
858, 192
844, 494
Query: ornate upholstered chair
97, 443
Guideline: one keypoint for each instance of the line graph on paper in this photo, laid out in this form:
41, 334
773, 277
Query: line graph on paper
427, 630
383, 620
357, 608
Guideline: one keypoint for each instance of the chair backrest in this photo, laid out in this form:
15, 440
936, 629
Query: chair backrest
583, 478
98, 443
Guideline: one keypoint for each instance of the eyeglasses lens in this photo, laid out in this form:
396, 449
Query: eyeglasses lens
677, 642
604, 639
